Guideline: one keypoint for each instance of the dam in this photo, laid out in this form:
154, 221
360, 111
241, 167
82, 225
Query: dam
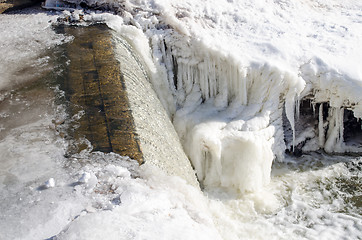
78, 103
122, 113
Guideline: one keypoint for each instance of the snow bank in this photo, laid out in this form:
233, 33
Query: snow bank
131, 202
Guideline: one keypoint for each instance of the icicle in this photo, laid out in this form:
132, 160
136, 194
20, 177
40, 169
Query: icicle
205, 80
334, 142
214, 78
313, 106
321, 136
341, 128
244, 90
297, 108
221, 100
289, 111
237, 85
185, 77
180, 83
211, 77
213, 81
189, 79
179, 76
232, 83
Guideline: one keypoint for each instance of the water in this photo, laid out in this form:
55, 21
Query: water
312, 197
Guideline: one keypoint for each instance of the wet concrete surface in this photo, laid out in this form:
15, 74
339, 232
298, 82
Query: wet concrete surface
95, 84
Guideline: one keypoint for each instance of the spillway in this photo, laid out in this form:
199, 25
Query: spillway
107, 82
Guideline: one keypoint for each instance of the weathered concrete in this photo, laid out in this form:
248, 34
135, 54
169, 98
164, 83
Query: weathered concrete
96, 83
122, 112
7, 5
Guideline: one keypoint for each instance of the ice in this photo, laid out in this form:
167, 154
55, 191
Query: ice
340, 92
24, 47
87, 195
118, 171
224, 78
153, 206
84, 178
33, 205
50, 183
304, 200
231, 77
321, 129
335, 131
237, 101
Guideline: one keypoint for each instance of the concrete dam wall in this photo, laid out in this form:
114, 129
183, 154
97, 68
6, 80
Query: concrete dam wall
106, 81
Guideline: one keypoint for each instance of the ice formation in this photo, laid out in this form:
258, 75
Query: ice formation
233, 69
228, 73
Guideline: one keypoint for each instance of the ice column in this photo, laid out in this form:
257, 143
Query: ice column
321, 136
334, 139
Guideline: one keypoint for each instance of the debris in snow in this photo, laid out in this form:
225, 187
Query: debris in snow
50, 183
84, 178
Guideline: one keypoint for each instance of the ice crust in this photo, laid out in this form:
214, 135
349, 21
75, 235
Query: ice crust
232, 68
24, 45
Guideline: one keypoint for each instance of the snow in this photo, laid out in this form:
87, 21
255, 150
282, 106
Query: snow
152, 206
44, 194
33, 205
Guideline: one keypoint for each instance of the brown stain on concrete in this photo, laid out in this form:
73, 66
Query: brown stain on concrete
95, 83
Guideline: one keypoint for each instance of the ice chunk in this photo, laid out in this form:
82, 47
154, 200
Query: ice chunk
84, 178
50, 183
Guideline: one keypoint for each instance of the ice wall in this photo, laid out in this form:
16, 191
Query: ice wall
228, 114
225, 72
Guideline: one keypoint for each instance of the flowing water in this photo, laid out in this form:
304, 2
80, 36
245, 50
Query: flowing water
311, 197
